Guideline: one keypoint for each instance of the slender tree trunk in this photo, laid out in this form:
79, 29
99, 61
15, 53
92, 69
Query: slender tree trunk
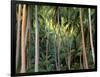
27, 26
91, 40
66, 58
85, 62
47, 43
69, 57
58, 41
23, 52
81, 67
36, 40
69, 51
55, 51
18, 35
47, 47
29, 36
63, 43
27, 30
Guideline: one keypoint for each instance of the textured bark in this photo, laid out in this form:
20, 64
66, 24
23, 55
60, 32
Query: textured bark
18, 34
23, 52
85, 62
36, 40
91, 40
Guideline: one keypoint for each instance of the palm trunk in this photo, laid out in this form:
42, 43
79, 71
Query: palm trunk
58, 53
18, 35
69, 57
36, 40
85, 62
81, 67
91, 40
47, 43
29, 37
27, 26
27, 30
66, 58
55, 51
23, 52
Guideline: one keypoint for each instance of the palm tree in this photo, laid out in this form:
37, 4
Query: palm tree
23, 52
90, 31
47, 48
58, 53
36, 40
85, 62
27, 29
27, 26
59, 38
18, 35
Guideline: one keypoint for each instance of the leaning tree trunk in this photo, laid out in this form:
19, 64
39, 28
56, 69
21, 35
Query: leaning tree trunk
18, 35
23, 52
36, 40
85, 62
91, 40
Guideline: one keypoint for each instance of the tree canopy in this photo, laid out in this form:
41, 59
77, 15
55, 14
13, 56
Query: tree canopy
54, 38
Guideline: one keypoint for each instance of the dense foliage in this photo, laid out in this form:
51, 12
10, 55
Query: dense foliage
61, 42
